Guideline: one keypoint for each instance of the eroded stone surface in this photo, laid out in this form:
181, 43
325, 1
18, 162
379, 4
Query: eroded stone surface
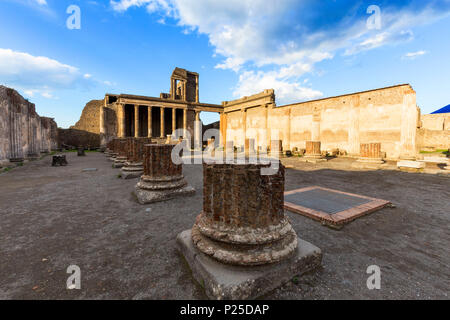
162, 179
243, 221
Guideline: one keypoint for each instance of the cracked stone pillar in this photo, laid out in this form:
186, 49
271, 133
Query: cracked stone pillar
243, 220
134, 166
121, 149
162, 179
242, 245
114, 149
250, 146
109, 148
313, 149
276, 148
370, 153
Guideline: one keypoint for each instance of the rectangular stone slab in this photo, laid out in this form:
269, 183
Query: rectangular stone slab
227, 282
411, 164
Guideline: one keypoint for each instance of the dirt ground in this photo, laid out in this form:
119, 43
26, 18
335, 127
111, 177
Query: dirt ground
53, 217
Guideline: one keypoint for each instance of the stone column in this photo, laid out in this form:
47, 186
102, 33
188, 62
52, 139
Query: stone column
276, 148
409, 121
371, 153
121, 150
162, 179
243, 221
185, 126
244, 124
121, 120
102, 128
136, 121
162, 122
149, 126
313, 150
174, 119
197, 132
133, 167
249, 146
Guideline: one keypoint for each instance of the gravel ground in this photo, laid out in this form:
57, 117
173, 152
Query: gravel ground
55, 217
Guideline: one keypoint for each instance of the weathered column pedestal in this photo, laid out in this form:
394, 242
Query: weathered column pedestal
313, 153
114, 149
121, 158
162, 179
242, 245
109, 148
369, 156
370, 153
229, 147
250, 146
276, 148
134, 166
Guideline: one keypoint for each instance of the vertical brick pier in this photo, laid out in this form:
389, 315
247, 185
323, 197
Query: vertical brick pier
121, 150
370, 153
242, 245
134, 166
162, 179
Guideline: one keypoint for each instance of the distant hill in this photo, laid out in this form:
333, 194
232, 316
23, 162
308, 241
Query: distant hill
445, 109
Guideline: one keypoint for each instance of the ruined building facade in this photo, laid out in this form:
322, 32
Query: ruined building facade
23, 133
127, 115
389, 116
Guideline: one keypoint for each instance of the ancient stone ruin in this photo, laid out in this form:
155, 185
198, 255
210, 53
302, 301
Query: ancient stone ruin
243, 224
162, 179
23, 133
134, 166
121, 153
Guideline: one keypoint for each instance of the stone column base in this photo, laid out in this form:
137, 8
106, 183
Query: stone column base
411, 166
132, 170
313, 158
119, 162
227, 282
151, 190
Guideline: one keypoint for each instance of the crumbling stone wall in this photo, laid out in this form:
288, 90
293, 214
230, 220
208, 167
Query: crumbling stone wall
90, 117
23, 133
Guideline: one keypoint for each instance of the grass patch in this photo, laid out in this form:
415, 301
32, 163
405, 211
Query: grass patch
7, 169
444, 151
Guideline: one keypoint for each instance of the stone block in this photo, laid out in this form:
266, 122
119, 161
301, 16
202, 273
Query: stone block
229, 282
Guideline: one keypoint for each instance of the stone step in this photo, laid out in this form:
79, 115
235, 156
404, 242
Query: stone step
411, 164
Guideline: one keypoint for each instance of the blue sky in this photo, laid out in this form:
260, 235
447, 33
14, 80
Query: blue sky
304, 49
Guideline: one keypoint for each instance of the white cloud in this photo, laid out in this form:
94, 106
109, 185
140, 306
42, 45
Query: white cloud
41, 75
284, 37
47, 95
413, 55
287, 91
28, 70
41, 2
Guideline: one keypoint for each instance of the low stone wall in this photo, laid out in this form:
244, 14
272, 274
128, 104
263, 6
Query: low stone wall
78, 138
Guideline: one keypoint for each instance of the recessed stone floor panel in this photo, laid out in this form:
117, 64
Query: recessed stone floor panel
333, 207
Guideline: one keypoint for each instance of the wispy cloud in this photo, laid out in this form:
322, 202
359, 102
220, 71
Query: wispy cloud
414, 55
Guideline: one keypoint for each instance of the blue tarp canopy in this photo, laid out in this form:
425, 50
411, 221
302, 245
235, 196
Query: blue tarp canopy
445, 109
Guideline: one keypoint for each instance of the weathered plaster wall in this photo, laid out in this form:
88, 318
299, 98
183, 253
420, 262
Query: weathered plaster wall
389, 116
434, 132
23, 133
